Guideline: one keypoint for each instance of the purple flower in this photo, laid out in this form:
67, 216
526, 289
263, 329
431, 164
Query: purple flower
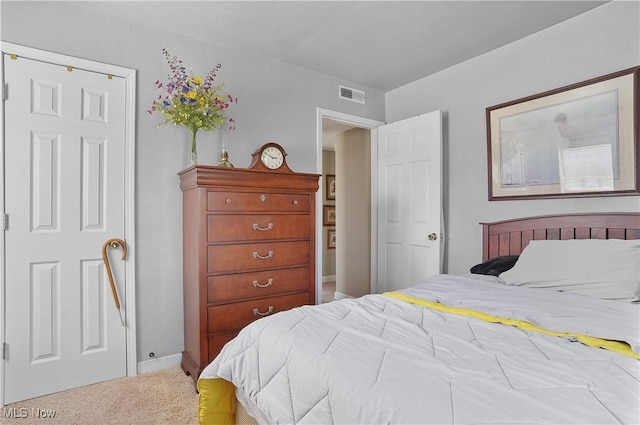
189, 104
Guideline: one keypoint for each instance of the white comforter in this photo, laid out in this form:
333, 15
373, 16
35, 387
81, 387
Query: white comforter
380, 360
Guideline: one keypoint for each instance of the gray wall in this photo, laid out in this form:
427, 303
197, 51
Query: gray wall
328, 255
277, 102
603, 40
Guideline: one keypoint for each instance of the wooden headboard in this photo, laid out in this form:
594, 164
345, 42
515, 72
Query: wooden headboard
509, 237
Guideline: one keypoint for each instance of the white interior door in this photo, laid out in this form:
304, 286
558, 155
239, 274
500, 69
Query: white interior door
64, 197
409, 201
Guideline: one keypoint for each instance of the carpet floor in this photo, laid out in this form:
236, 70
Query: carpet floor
328, 290
164, 397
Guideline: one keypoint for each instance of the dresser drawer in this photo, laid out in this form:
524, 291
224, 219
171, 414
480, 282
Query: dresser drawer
227, 228
254, 256
234, 287
257, 202
237, 315
216, 342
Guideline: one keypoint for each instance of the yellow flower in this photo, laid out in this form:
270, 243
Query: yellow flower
191, 101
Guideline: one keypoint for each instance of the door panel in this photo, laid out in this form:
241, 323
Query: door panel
64, 195
409, 201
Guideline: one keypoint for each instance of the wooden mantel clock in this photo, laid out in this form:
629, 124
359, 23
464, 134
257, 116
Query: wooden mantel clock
270, 157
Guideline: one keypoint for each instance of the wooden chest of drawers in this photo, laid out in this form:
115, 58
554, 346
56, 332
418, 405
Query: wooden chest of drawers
248, 252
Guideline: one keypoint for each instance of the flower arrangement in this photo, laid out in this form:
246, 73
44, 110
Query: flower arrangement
192, 102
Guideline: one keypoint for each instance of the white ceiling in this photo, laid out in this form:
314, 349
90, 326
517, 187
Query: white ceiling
376, 44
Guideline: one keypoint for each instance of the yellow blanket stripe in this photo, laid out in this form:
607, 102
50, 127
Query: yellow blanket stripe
219, 406
616, 346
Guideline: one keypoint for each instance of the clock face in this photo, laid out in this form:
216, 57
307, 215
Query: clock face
272, 157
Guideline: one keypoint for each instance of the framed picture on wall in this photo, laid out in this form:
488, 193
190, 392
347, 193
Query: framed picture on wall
330, 187
329, 215
331, 239
577, 140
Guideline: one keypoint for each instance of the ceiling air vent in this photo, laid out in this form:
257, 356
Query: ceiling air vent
353, 95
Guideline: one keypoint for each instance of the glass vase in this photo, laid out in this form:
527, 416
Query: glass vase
193, 149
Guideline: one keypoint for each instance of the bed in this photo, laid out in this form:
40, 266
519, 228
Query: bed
546, 329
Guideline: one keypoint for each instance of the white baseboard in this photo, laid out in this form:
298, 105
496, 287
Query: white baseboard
160, 363
340, 296
326, 279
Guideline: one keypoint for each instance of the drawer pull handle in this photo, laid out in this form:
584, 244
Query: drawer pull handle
227, 201
257, 284
257, 312
262, 257
295, 202
256, 226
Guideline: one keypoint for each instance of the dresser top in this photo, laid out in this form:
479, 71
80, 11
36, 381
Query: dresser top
224, 177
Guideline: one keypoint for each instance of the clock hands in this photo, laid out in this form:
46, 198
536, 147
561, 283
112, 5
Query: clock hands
270, 155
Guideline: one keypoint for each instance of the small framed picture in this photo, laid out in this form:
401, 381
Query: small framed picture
330, 187
329, 215
331, 239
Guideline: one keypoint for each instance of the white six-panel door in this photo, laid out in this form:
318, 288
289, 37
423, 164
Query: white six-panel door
64, 197
409, 201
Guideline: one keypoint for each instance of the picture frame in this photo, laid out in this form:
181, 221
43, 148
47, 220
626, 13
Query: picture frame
331, 239
328, 215
330, 187
574, 141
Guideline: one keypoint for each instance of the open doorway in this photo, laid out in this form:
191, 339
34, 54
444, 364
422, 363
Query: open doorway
334, 133
346, 221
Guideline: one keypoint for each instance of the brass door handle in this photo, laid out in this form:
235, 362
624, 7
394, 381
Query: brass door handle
114, 243
256, 226
262, 257
257, 284
257, 312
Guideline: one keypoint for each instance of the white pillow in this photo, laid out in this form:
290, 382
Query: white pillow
608, 269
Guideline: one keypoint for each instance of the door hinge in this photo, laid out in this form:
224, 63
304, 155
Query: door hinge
5, 222
5, 91
5, 350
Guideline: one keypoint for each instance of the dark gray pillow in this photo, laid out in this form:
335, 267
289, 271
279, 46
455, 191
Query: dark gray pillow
496, 265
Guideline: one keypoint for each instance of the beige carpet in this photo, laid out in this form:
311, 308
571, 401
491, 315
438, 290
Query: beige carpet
328, 290
163, 397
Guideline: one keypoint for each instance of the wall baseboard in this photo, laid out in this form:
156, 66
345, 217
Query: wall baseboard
326, 279
160, 363
339, 296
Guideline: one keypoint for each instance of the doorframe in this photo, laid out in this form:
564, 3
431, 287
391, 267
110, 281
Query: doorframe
129, 76
368, 124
